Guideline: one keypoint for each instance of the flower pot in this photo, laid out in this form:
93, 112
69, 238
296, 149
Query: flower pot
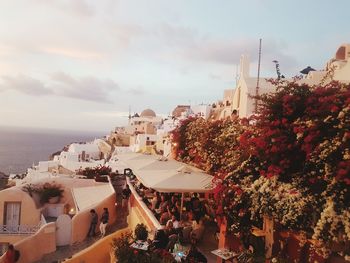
54, 199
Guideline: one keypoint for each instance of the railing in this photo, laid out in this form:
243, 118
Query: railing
18, 229
143, 206
42, 220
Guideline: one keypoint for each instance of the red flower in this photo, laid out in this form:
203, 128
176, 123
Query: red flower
312, 180
239, 191
334, 108
347, 181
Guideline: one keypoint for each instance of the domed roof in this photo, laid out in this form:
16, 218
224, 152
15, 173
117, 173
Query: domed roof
148, 113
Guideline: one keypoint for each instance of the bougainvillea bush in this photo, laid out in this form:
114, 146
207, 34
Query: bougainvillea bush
95, 172
291, 160
208, 145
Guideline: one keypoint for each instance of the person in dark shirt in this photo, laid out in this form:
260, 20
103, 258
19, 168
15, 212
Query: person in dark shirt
104, 221
194, 255
93, 223
160, 240
126, 194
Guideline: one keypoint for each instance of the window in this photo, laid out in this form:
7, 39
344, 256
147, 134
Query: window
12, 215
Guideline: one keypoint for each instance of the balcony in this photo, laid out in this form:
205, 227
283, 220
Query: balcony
18, 229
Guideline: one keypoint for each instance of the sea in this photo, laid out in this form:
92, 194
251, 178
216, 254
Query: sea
20, 148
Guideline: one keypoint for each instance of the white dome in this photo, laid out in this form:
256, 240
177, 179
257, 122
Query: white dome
148, 113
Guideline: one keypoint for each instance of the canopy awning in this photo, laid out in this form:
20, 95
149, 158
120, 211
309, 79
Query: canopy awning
168, 176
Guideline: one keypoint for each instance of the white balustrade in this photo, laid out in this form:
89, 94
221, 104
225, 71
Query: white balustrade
18, 229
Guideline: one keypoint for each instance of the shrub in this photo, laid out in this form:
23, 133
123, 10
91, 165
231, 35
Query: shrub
126, 254
45, 191
96, 172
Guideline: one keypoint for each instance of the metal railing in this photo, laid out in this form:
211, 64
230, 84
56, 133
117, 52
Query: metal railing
18, 229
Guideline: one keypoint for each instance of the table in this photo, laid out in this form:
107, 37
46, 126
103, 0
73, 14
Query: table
225, 254
142, 245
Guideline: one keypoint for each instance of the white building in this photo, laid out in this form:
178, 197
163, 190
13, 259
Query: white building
142, 141
168, 125
246, 87
337, 68
146, 123
85, 151
201, 110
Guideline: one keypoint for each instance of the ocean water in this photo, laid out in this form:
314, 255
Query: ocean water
21, 147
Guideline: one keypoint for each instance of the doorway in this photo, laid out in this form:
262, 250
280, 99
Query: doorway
12, 216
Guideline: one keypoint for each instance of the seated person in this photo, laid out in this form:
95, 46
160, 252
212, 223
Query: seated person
175, 221
209, 207
172, 235
173, 211
178, 205
144, 198
172, 201
164, 218
169, 228
160, 240
194, 255
185, 221
163, 203
197, 230
155, 202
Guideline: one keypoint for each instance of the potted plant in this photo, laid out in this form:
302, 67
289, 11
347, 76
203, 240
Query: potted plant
50, 192
121, 248
122, 252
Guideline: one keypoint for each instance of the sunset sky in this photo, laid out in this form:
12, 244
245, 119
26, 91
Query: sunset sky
79, 64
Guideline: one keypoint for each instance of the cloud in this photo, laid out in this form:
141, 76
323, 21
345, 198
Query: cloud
61, 84
214, 76
79, 7
24, 84
73, 53
136, 91
176, 36
187, 44
108, 114
86, 88
228, 51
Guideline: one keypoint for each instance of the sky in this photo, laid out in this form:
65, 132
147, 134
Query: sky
82, 64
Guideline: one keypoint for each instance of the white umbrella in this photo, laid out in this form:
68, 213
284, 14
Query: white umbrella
136, 161
175, 181
184, 180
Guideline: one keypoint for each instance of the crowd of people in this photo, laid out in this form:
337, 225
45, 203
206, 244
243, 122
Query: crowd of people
182, 223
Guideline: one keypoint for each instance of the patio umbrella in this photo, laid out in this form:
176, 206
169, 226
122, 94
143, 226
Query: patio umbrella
307, 70
135, 161
184, 180
161, 165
